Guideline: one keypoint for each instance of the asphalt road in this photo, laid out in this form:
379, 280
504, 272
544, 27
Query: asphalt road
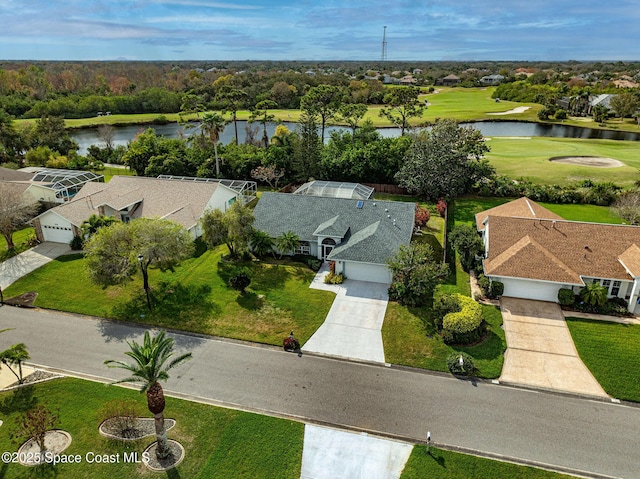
566, 432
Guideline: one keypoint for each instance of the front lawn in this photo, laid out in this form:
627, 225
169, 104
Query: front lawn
20, 240
219, 443
195, 297
443, 464
610, 351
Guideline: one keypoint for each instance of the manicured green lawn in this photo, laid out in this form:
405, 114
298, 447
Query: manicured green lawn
20, 239
529, 159
194, 297
443, 464
610, 351
220, 443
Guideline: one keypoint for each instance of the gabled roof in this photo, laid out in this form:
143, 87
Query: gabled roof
369, 234
561, 251
630, 259
180, 201
522, 207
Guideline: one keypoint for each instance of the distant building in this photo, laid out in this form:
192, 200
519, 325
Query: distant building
491, 80
449, 80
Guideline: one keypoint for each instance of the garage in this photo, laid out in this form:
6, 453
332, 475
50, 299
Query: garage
54, 228
529, 289
57, 234
375, 273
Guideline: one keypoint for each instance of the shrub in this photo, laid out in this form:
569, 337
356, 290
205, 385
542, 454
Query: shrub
314, 263
463, 324
461, 368
122, 415
466, 241
491, 289
566, 297
333, 278
240, 282
441, 206
77, 243
422, 216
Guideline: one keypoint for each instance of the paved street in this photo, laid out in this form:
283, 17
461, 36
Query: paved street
569, 432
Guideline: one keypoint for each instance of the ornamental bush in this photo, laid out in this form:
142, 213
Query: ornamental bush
464, 325
491, 289
464, 367
566, 297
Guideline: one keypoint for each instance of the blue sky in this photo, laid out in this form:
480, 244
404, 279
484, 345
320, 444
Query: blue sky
319, 30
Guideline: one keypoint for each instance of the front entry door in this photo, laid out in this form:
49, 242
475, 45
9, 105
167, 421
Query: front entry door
327, 246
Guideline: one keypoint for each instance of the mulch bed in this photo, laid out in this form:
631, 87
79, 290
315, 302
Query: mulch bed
144, 427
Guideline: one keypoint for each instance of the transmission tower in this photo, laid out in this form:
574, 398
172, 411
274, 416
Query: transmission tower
384, 45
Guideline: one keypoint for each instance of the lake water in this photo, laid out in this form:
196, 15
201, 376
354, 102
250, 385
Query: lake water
124, 134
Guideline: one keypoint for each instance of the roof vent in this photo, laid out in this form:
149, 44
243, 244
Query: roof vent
388, 216
386, 209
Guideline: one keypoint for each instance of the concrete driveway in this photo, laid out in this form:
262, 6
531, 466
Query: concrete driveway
15, 268
353, 325
540, 350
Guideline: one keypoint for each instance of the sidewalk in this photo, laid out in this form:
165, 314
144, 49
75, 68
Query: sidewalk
15, 268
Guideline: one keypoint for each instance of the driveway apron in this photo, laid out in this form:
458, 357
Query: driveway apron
540, 350
353, 325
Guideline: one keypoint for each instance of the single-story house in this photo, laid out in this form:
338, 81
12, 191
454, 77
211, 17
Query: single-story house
358, 235
537, 254
130, 197
50, 185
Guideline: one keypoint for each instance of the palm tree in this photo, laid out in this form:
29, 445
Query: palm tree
15, 356
287, 242
261, 243
213, 124
594, 294
152, 366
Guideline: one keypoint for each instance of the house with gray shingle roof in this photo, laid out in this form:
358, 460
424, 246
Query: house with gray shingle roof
535, 255
131, 197
358, 235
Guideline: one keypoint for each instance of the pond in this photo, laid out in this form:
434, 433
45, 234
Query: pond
124, 134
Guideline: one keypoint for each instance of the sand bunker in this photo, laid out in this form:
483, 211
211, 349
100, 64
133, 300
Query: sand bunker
595, 161
520, 109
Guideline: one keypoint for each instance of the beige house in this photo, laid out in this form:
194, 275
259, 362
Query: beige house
534, 253
130, 197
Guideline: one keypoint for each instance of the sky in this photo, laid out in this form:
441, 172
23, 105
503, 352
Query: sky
417, 30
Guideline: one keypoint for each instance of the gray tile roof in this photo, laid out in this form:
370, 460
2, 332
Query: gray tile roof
372, 235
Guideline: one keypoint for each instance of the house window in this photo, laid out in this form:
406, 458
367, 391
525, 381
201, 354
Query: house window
606, 283
616, 288
303, 248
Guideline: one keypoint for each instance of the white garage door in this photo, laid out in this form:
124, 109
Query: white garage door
367, 272
518, 288
57, 234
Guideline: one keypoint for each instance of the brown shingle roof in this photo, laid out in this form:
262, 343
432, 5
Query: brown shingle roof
179, 201
560, 251
630, 259
522, 207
